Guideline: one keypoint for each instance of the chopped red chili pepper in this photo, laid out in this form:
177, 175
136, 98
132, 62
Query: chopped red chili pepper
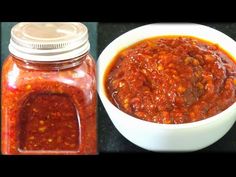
172, 80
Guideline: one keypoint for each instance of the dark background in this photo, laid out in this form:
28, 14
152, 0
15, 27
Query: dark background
109, 138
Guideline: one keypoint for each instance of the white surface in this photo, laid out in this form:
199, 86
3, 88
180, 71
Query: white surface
164, 137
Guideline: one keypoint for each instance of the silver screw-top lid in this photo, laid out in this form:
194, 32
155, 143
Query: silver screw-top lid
49, 41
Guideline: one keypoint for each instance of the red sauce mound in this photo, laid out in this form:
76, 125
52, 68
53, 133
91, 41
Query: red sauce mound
172, 80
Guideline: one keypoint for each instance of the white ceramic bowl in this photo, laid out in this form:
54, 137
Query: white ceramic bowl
165, 137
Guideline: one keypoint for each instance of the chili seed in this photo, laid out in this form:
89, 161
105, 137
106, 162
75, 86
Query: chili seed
188, 60
121, 84
35, 110
28, 87
200, 85
69, 125
42, 129
126, 105
234, 81
196, 62
209, 58
126, 101
31, 138
160, 67
181, 89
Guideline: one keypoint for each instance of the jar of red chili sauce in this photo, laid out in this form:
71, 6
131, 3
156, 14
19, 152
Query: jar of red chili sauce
49, 91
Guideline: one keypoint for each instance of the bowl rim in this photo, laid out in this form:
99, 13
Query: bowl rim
105, 100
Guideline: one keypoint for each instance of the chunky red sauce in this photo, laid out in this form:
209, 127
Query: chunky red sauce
48, 121
49, 111
172, 80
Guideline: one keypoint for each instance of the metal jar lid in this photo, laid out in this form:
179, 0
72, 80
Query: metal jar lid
49, 41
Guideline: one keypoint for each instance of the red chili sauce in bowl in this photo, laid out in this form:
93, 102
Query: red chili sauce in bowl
172, 80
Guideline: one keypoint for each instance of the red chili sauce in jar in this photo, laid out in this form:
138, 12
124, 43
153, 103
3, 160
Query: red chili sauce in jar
172, 80
49, 98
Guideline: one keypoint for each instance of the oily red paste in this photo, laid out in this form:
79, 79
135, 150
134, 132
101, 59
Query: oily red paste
49, 122
49, 109
172, 80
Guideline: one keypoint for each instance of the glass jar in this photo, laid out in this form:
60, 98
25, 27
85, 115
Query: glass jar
49, 91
